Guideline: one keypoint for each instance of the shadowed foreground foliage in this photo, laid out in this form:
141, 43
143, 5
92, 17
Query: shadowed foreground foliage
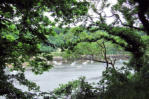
120, 84
130, 30
23, 27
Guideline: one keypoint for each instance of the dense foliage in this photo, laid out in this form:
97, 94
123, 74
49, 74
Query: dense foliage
23, 28
78, 89
130, 30
73, 47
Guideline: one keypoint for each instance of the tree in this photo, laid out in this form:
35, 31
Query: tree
129, 28
95, 50
23, 27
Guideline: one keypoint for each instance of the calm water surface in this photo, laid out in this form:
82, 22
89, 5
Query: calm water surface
63, 73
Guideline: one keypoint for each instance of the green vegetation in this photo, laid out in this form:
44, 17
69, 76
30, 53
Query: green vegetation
65, 40
78, 89
25, 33
23, 28
130, 31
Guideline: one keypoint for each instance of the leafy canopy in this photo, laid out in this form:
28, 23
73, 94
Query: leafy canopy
23, 28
